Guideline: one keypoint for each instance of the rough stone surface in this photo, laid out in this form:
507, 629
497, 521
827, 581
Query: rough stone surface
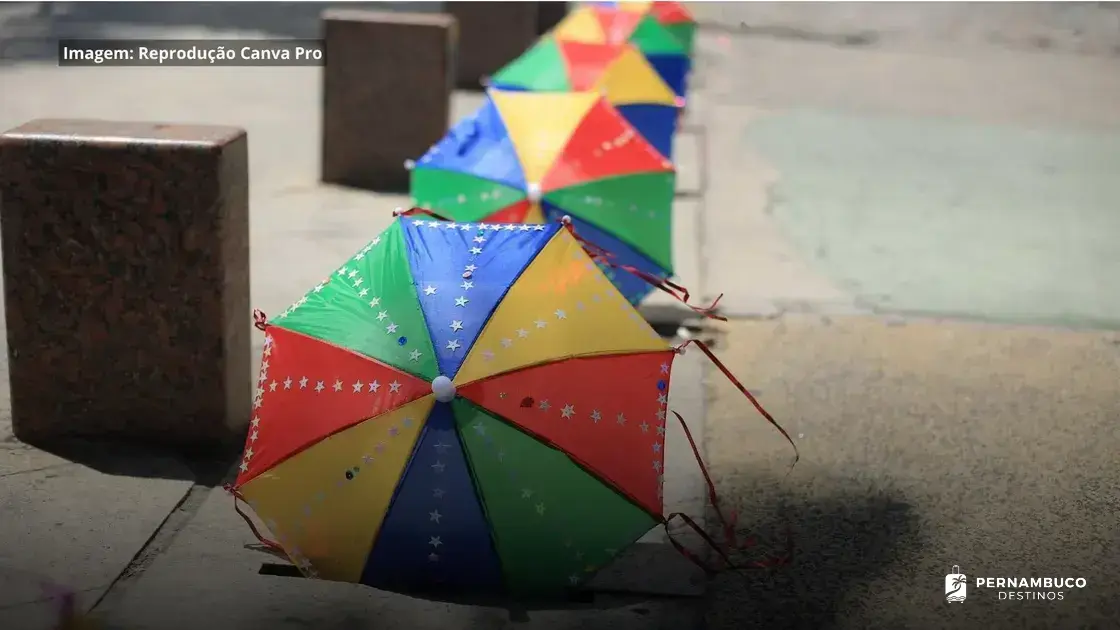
549, 14
126, 273
924, 444
491, 35
98, 520
386, 94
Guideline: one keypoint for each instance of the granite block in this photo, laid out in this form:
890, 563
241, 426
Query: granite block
126, 281
491, 34
387, 87
549, 14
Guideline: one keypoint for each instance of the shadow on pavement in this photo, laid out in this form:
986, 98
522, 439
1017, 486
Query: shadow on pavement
841, 543
124, 459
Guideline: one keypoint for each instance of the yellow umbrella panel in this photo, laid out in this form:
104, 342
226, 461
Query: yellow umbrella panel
608, 25
617, 71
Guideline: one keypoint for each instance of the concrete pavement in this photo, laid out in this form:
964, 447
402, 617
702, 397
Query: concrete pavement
1087, 28
880, 178
925, 444
951, 217
980, 151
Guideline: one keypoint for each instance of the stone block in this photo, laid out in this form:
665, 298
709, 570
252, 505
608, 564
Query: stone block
387, 87
549, 14
491, 34
126, 281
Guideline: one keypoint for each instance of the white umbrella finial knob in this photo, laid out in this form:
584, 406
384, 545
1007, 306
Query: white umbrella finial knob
443, 389
533, 191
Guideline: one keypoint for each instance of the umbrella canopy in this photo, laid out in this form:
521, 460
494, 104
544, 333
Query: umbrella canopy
608, 25
459, 408
619, 72
534, 157
676, 19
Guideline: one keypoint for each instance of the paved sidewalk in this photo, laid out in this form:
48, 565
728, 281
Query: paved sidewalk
917, 173
924, 444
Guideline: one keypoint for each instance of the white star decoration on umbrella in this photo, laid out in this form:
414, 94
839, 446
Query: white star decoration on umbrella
527, 332
536, 505
461, 296
352, 275
287, 538
290, 384
435, 516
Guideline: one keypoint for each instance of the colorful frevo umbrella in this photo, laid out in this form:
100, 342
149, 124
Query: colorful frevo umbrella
676, 19
534, 157
609, 25
618, 71
460, 407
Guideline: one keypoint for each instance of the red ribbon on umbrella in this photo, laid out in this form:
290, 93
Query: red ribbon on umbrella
667, 286
731, 541
270, 545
